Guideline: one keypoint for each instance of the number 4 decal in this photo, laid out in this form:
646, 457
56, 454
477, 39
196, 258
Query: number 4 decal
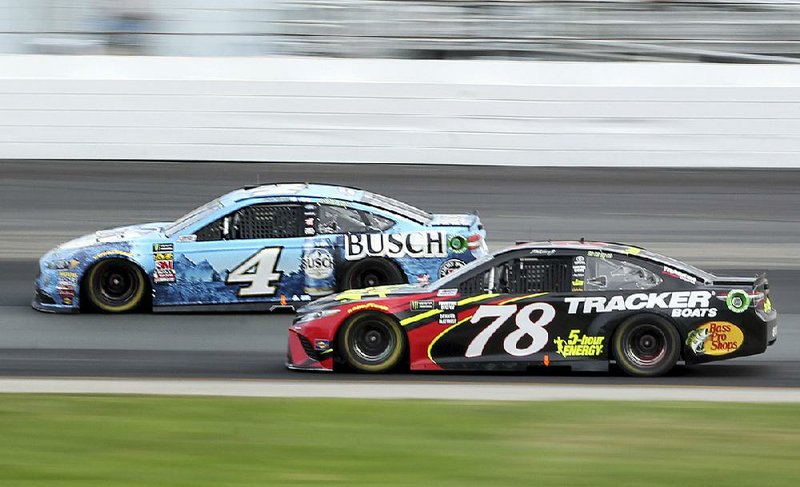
525, 327
259, 271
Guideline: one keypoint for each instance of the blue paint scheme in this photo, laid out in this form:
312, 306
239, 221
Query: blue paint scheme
201, 268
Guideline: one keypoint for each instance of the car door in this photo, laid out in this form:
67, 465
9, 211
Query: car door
248, 256
509, 325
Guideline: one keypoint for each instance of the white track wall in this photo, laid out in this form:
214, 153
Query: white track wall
399, 111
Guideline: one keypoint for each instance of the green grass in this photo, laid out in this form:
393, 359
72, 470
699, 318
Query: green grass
61, 440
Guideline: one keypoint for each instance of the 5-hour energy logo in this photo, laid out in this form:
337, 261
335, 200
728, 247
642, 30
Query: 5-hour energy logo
577, 345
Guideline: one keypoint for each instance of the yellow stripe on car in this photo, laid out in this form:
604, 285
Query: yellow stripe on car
520, 298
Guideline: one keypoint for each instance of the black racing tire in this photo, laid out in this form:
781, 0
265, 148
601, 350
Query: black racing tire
646, 346
115, 286
370, 273
371, 342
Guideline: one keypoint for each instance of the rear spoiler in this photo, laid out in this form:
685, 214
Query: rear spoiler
756, 282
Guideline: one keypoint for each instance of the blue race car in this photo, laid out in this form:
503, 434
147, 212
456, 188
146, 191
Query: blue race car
257, 248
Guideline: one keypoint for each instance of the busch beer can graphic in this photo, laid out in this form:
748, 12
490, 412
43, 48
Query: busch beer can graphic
318, 268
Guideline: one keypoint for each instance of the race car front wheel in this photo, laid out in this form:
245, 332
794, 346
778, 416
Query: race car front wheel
372, 342
115, 286
370, 273
646, 346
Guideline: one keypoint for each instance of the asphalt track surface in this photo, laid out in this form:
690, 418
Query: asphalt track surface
737, 222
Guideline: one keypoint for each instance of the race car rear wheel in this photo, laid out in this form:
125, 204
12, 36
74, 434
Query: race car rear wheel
115, 286
370, 273
372, 342
646, 346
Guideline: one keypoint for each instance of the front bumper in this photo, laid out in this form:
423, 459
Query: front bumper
301, 355
43, 302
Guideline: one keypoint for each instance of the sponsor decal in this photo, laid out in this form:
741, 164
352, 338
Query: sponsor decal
578, 273
457, 244
543, 251
669, 271
715, 338
321, 345
447, 293
164, 261
447, 305
66, 277
577, 345
599, 254
449, 266
737, 301
112, 253
447, 319
422, 305
302, 297
683, 304
368, 307
62, 264
633, 251
414, 244
187, 238
767, 305
424, 279
774, 332
318, 263
66, 291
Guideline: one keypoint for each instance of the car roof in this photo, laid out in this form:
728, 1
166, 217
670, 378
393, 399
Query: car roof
315, 190
611, 247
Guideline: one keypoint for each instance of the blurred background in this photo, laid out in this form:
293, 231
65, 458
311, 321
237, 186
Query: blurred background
628, 30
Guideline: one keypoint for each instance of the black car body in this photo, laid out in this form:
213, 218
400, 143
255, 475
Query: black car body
544, 304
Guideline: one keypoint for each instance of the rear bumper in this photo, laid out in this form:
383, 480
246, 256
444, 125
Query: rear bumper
301, 355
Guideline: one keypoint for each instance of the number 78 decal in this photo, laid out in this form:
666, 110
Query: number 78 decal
259, 271
525, 327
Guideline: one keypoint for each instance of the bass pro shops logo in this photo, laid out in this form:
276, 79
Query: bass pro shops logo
414, 244
682, 304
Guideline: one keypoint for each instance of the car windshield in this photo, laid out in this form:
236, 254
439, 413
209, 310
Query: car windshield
397, 207
192, 217
451, 279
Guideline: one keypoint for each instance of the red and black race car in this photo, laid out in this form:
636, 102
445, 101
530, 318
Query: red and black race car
576, 304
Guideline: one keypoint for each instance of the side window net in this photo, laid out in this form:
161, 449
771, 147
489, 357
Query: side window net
267, 221
539, 275
477, 284
211, 232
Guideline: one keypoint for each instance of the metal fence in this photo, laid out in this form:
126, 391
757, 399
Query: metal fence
717, 31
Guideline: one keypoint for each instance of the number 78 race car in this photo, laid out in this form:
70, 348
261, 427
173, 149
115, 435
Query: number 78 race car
576, 304
257, 248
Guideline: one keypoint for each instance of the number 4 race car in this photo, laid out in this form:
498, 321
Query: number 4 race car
258, 248
576, 304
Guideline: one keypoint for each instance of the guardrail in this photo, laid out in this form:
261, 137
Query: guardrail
400, 111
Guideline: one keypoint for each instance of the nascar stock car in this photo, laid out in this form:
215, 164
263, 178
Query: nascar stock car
255, 248
572, 304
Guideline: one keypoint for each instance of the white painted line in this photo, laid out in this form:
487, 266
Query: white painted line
398, 390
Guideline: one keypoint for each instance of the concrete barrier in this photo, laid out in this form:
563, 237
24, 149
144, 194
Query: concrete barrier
399, 111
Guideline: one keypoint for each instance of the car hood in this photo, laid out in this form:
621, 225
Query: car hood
114, 235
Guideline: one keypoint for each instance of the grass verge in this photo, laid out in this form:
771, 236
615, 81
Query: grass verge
62, 440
